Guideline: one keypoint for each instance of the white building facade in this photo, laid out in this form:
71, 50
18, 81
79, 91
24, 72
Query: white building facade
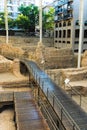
13, 6
67, 24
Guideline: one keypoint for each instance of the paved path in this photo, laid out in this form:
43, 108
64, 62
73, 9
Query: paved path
28, 116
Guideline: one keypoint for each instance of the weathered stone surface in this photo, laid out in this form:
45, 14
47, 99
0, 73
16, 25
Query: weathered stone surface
73, 74
5, 64
76, 74
21, 40
10, 75
10, 51
84, 59
7, 120
59, 58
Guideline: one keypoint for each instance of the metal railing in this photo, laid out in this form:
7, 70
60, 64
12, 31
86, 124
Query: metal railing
63, 114
61, 109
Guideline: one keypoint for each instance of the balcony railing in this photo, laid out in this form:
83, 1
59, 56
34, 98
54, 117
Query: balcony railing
70, 0
70, 7
67, 16
59, 18
60, 10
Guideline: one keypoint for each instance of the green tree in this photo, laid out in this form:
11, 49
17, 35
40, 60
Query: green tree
11, 23
48, 19
22, 21
31, 12
2, 20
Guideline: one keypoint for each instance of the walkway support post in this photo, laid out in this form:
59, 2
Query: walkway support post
81, 13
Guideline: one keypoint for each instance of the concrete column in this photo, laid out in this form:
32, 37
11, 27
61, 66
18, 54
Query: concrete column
6, 19
81, 31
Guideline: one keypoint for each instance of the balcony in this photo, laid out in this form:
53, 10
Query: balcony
70, 0
70, 7
56, 12
67, 16
58, 18
60, 11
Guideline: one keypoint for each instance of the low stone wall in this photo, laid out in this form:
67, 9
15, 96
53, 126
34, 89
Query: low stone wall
8, 50
5, 65
73, 74
10, 66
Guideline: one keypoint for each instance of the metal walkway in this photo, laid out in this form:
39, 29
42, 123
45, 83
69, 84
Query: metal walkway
70, 114
28, 116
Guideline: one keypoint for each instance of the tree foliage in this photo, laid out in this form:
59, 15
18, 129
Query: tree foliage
29, 18
22, 21
2, 20
31, 12
48, 19
11, 22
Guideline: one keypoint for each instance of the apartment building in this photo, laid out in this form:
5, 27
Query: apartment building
67, 24
13, 6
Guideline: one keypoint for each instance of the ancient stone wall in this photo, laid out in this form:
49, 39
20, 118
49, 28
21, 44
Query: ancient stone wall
59, 58
84, 59
17, 40
8, 50
73, 74
10, 66
5, 65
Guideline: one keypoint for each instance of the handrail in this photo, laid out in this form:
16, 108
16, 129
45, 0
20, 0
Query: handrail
40, 83
67, 115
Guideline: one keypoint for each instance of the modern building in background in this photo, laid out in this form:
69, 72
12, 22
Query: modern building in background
67, 24
13, 6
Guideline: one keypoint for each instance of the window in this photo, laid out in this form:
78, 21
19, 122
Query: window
85, 42
64, 24
85, 33
60, 33
77, 33
56, 34
56, 25
64, 33
69, 23
68, 33
77, 22
76, 50
55, 41
85, 23
76, 42
60, 24
68, 42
